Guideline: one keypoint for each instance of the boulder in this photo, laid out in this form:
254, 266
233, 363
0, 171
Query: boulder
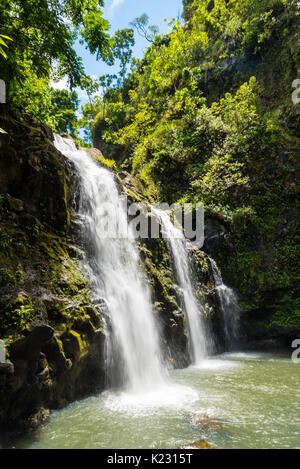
6, 368
202, 444
15, 204
29, 347
206, 423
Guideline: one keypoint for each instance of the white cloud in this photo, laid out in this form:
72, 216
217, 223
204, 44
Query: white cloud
115, 4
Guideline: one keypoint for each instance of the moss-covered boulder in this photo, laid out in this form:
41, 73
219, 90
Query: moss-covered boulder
202, 444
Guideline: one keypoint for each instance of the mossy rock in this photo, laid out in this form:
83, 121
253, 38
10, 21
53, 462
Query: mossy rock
202, 444
74, 345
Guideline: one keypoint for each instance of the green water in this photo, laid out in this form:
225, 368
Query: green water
253, 398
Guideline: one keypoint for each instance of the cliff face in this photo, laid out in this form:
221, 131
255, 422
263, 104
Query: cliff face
53, 332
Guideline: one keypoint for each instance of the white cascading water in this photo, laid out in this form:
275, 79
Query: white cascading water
229, 307
115, 272
178, 251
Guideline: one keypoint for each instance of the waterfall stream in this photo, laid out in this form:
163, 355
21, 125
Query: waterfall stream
178, 251
229, 307
115, 274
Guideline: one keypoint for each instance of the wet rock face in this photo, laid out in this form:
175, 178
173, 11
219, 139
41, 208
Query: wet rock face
29, 347
53, 333
206, 294
47, 371
214, 232
157, 265
33, 174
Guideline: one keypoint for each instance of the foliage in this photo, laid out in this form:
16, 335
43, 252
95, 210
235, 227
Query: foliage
123, 41
206, 116
43, 34
65, 105
3, 43
41, 37
17, 315
287, 313
108, 163
140, 23
54, 107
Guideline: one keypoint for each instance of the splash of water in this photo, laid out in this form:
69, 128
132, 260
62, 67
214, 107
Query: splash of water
114, 271
178, 250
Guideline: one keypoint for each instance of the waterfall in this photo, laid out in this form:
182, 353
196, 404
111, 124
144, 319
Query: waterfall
229, 307
178, 251
114, 270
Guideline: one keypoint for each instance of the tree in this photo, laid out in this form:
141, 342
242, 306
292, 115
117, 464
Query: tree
54, 107
65, 105
123, 41
88, 113
140, 23
187, 9
43, 34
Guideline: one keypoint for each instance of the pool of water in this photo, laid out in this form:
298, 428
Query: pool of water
237, 400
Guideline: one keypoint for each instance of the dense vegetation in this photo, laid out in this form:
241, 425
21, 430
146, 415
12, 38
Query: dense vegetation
37, 48
207, 116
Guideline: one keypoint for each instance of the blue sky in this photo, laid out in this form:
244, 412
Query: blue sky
120, 13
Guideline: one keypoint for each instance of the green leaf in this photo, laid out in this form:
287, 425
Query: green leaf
6, 37
2, 42
3, 53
